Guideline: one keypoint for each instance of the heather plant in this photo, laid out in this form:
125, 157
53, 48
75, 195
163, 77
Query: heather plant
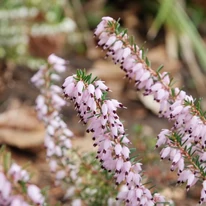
184, 143
15, 186
88, 178
90, 100
70, 169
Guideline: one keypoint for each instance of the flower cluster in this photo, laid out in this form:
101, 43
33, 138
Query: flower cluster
15, 189
48, 106
68, 165
108, 133
186, 140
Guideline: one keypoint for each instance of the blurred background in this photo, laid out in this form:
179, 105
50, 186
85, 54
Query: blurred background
174, 31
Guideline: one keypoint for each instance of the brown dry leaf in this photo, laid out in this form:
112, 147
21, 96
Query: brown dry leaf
6, 74
43, 46
174, 193
19, 127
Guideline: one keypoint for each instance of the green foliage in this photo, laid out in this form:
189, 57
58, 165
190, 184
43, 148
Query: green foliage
96, 185
87, 78
179, 21
22, 20
23, 186
159, 68
7, 161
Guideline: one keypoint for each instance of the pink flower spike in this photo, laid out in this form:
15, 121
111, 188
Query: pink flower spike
109, 136
187, 134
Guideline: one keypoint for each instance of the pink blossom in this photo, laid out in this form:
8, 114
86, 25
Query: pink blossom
35, 194
49, 103
109, 137
189, 126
